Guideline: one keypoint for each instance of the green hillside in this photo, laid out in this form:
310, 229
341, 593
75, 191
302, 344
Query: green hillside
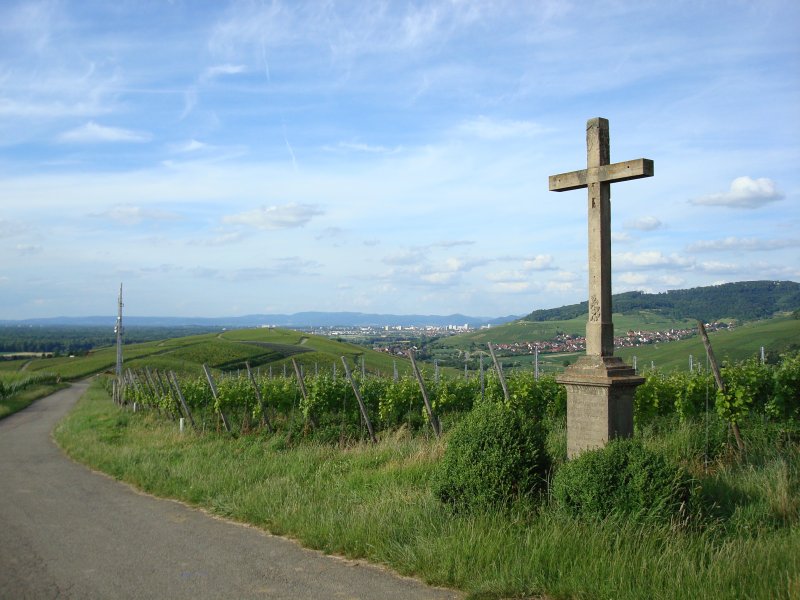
742, 301
227, 351
775, 335
533, 331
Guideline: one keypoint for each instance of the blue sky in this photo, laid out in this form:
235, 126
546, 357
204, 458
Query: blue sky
255, 157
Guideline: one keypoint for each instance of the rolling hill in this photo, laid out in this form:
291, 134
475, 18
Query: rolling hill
742, 301
228, 351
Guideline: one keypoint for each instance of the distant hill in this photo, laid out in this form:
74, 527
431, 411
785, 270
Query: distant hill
744, 301
303, 319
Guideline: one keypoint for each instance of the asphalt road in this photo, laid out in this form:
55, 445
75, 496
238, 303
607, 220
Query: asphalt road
67, 532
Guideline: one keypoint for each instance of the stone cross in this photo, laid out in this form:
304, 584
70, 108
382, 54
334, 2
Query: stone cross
597, 177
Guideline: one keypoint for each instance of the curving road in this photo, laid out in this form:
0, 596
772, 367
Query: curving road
66, 532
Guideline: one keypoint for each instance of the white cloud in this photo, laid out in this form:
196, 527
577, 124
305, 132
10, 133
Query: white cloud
559, 286
439, 278
621, 237
712, 266
11, 229
91, 132
225, 69
511, 287
643, 224
128, 214
650, 259
27, 249
404, 257
540, 262
740, 244
744, 192
223, 239
565, 276
189, 146
508, 276
285, 216
499, 129
368, 148
629, 278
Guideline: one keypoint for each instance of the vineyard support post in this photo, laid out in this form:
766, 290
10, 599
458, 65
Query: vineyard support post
155, 390
718, 378
174, 380
500, 375
264, 417
361, 404
483, 380
168, 391
300, 383
215, 393
437, 429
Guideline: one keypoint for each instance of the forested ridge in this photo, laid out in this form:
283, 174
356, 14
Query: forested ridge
744, 301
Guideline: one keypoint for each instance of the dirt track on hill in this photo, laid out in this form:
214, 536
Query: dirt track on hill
67, 532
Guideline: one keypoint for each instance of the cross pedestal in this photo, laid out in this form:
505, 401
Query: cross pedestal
600, 386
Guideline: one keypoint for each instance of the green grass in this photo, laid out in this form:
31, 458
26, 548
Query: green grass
776, 334
532, 331
743, 342
227, 351
374, 502
32, 387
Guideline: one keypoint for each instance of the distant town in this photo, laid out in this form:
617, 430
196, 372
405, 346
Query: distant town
577, 343
396, 340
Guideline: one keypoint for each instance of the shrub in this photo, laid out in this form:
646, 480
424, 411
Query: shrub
623, 477
785, 402
494, 455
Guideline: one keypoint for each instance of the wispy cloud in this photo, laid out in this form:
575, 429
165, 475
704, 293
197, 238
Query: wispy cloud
540, 262
743, 244
650, 260
128, 214
219, 70
10, 229
189, 146
646, 281
290, 266
643, 223
284, 216
622, 237
744, 192
28, 249
498, 129
91, 133
367, 148
223, 239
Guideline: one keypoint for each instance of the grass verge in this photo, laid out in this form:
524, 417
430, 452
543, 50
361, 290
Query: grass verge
374, 502
16, 402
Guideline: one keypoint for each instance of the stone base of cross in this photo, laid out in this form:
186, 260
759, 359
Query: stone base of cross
600, 392
600, 387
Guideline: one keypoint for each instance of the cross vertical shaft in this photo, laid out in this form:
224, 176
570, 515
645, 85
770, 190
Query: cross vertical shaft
599, 327
600, 386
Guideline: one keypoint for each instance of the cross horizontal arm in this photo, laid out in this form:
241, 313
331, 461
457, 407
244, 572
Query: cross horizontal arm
624, 171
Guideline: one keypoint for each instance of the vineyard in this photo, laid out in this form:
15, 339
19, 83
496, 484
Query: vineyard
340, 406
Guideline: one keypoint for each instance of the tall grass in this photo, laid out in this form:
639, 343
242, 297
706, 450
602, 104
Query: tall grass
18, 390
375, 502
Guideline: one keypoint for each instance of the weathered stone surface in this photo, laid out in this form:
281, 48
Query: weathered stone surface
600, 387
600, 394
